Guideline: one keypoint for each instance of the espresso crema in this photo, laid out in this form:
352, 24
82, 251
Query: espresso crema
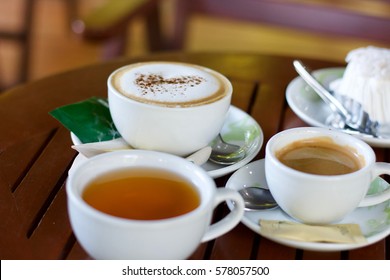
320, 156
170, 84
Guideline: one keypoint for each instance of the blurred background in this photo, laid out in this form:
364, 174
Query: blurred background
43, 37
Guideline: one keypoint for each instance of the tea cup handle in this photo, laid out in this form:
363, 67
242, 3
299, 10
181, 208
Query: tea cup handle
231, 220
378, 169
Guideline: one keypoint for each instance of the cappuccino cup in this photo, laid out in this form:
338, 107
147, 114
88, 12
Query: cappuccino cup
170, 107
139, 204
318, 175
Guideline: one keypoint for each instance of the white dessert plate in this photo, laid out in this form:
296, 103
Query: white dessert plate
239, 128
313, 110
374, 221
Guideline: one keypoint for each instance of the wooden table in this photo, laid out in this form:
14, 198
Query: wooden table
35, 156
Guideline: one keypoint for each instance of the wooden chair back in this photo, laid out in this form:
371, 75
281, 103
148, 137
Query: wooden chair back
364, 19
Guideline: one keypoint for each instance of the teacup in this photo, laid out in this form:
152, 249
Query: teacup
318, 175
109, 235
170, 107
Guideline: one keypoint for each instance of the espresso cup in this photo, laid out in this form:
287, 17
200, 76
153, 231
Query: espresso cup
318, 175
107, 235
170, 107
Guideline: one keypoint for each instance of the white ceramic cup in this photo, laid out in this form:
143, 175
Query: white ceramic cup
322, 199
108, 237
177, 128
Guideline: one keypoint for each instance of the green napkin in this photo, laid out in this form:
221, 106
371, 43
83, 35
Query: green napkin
89, 120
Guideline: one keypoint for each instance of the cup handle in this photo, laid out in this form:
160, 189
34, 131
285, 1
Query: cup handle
231, 220
378, 169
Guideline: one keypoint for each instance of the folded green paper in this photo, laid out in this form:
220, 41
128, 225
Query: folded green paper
90, 120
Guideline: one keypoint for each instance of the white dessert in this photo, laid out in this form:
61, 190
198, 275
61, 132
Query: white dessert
367, 80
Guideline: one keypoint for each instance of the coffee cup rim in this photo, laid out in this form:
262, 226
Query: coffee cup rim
226, 82
368, 153
74, 194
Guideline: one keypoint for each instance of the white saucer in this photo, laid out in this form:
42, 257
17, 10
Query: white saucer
374, 220
310, 107
239, 128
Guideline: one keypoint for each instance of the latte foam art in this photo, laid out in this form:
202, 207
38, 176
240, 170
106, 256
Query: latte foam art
171, 84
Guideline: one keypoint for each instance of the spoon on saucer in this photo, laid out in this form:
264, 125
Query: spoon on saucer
257, 198
363, 126
92, 149
225, 153
220, 152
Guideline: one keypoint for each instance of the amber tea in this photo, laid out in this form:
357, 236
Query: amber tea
142, 194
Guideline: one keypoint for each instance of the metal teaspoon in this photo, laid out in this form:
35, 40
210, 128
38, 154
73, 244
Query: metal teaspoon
257, 198
225, 153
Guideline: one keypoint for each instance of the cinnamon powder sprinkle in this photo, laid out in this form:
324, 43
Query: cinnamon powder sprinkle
155, 83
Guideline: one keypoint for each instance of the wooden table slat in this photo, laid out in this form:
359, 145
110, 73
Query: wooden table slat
17, 159
44, 178
237, 243
269, 250
53, 233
